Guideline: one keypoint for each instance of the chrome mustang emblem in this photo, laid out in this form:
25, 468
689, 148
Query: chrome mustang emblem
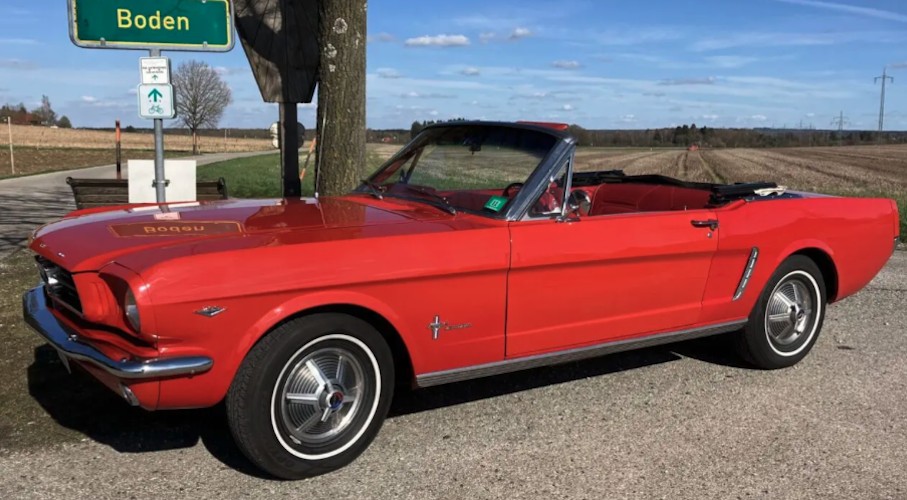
437, 325
210, 311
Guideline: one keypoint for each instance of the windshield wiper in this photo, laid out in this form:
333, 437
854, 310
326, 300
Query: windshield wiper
374, 189
445, 205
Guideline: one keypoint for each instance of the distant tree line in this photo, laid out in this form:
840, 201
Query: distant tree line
709, 137
43, 115
688, 135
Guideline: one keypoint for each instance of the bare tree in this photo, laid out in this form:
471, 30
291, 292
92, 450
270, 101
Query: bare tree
341, 95
45, 114
201, 97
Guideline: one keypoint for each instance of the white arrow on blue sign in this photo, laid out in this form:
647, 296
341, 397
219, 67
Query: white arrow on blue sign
156, 102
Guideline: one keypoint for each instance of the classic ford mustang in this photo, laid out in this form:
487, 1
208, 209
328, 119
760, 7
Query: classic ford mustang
476, 250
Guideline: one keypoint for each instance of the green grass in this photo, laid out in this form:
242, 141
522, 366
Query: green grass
259, 176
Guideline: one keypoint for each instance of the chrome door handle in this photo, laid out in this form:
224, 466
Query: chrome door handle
710, 223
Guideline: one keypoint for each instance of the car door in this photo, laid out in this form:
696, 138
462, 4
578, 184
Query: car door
605, 278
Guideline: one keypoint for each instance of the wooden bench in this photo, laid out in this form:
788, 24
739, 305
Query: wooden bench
91, 193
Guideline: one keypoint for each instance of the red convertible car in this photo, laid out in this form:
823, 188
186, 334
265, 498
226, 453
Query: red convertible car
478, 249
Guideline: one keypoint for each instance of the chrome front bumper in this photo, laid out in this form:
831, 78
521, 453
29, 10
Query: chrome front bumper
67, 344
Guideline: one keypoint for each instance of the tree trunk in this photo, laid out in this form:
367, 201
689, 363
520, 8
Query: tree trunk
195, 142
341, 95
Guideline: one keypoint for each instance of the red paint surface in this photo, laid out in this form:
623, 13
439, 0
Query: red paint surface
525, 287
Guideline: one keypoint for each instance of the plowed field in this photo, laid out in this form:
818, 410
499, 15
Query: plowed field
849, 170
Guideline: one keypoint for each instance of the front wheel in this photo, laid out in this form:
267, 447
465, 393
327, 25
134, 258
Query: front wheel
786, 321
311, 395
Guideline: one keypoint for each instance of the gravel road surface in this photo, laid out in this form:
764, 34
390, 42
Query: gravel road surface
682, 421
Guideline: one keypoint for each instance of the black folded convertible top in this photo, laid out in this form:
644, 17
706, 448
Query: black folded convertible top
720, 193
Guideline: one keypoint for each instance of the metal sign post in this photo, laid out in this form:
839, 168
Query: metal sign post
156, 103
192, 25
12, 156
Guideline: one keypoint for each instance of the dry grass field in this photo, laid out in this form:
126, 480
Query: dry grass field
850, 170
52, 138
43, 149
869, 169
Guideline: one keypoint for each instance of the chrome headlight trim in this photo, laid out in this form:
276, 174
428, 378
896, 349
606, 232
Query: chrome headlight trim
131, 309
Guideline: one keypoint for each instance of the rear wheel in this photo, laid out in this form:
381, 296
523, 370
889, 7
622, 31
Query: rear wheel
786, 321
311, 396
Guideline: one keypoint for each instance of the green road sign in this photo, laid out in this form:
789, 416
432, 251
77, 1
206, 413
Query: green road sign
156, 102
197, 25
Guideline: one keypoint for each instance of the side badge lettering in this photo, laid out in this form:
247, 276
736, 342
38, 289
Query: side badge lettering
436, 326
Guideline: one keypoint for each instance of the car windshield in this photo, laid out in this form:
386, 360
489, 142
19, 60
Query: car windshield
475, 168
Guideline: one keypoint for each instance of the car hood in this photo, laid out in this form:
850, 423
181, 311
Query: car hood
87, 240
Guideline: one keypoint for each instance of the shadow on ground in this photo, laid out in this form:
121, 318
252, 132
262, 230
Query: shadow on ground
79, 403
22, 212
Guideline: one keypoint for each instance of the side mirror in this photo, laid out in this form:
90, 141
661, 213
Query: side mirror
578, 203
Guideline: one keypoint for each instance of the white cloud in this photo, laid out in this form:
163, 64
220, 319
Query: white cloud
426, 95
471, 71
730, 61
709, 80
520, 33
772, 39
18, 64
381, 37
759, 118
18, 41
89, 99
389, 73
225, 71
637, 36
567, 107
438, 41
628, 118
851, 9
486, 37
563, 64
709, 117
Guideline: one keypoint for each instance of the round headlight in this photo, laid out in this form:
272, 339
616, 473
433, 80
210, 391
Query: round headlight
132, 310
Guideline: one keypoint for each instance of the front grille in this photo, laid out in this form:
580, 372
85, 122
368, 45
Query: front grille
59, 284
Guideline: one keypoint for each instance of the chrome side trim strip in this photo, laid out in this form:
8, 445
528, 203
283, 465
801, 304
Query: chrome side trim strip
554, 358
37, 316
747, 273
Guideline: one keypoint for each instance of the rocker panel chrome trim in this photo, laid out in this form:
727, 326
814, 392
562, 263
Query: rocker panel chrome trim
524, 363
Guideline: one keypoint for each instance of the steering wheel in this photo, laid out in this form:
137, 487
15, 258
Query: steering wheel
513, 186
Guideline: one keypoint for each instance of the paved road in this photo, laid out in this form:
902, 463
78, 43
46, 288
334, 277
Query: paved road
685, 421
27, 202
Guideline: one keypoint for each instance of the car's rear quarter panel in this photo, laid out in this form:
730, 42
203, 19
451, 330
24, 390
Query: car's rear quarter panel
856, 233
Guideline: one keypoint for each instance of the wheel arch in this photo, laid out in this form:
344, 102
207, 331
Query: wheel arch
374, 313
826, 266
403, 364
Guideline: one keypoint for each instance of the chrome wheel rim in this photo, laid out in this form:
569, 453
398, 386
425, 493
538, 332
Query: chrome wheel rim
321, 395
790, 313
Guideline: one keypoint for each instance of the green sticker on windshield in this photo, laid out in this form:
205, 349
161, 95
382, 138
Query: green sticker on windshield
496, 203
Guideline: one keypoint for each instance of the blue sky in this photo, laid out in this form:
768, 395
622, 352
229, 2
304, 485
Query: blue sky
597, 63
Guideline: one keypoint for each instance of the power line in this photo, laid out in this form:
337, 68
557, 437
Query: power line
840, 121
885, 78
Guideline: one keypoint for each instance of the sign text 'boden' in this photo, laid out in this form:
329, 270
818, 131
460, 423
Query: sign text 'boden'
197, 25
